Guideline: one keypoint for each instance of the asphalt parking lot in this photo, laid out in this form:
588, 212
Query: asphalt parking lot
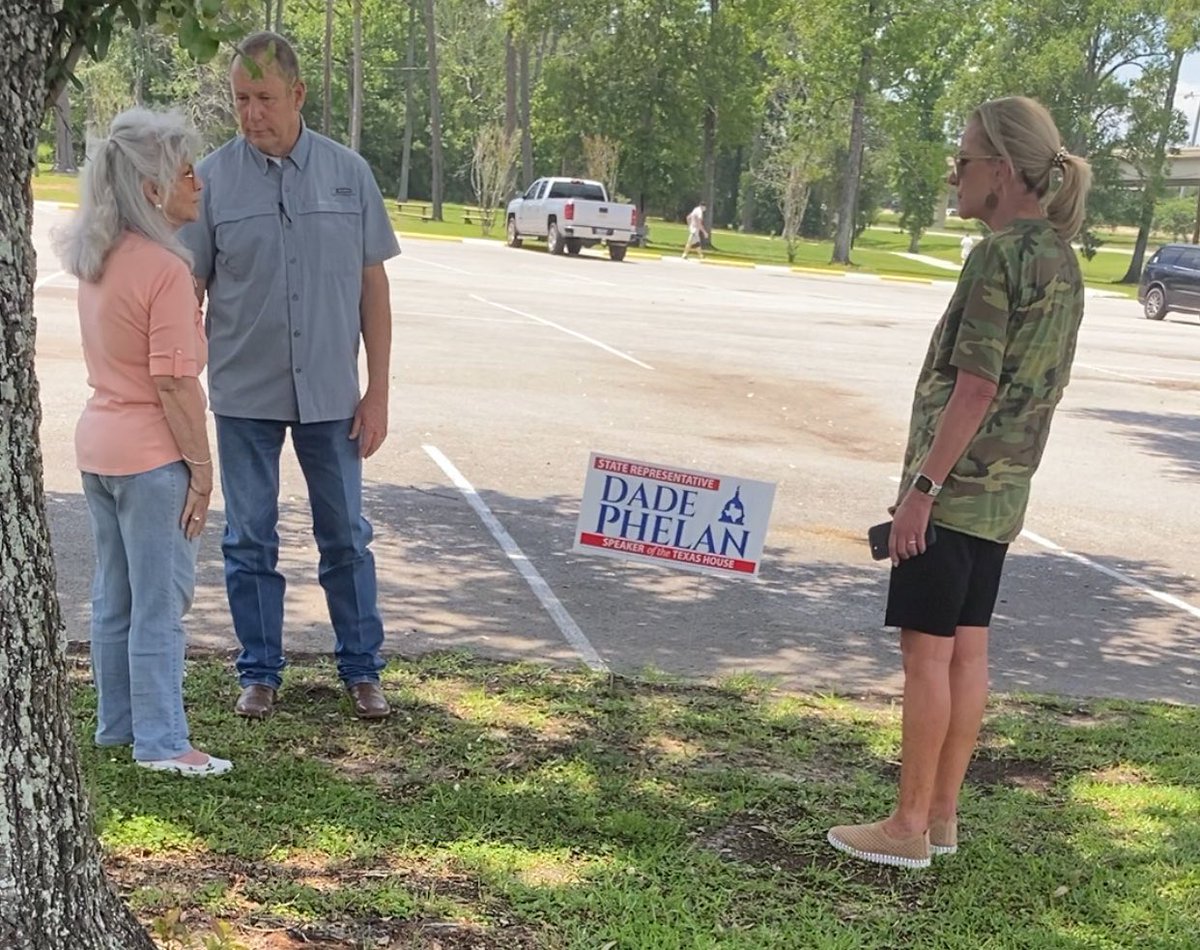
510, 366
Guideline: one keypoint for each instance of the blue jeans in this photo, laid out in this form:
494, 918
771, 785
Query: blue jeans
145, 577
249, 450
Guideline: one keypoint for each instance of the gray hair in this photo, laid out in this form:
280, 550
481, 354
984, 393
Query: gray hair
270, 49
141, 146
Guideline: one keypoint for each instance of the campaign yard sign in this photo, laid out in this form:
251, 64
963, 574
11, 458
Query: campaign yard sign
698, 521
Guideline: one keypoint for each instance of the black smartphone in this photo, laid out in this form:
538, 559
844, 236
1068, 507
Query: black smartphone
877, 537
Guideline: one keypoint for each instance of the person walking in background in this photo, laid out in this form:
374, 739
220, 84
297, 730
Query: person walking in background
995, 370
289, 248
697, 233
141, 442
965, 246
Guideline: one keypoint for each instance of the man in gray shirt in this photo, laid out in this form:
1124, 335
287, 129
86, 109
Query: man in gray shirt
289, 248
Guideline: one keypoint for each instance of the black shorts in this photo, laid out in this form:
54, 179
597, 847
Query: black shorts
953, 584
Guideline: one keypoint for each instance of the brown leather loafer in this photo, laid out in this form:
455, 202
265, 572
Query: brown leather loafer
369, 701
255, 702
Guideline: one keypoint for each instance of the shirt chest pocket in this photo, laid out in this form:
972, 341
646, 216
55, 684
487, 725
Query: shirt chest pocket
247, 241
333, 232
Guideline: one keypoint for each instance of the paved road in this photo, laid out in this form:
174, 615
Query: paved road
515, 366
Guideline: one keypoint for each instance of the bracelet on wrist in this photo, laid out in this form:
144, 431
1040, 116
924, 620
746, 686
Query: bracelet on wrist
207, 461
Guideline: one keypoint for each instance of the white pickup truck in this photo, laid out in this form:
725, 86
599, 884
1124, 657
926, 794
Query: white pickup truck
571, 214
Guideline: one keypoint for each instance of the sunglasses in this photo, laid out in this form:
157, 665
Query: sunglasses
961, 161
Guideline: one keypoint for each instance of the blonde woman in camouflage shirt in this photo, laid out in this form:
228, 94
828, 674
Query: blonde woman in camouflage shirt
995, 370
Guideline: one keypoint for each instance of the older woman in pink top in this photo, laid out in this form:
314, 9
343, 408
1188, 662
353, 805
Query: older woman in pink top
142, 443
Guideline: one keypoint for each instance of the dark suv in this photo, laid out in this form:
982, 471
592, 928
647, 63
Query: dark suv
1171, 281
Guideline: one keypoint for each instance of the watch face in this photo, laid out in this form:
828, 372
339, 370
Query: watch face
923, 484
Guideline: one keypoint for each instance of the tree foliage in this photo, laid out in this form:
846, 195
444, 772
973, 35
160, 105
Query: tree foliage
693, 93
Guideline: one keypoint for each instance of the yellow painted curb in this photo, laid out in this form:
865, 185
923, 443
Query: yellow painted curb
819, 271
718, 263
429, 237
644, 255
908, 280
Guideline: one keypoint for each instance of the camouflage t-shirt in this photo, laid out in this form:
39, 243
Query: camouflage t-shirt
1013, 319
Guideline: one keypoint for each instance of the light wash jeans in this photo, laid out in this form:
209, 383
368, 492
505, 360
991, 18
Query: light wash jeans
145, 577
250, 450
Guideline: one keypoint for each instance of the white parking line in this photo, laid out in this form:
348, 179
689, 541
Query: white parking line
48, 279
553, 606
1169, 599
592, 280
1159, 375
551, 323
405, 258
1113, 372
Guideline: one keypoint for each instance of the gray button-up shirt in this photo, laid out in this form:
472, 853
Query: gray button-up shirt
281, 246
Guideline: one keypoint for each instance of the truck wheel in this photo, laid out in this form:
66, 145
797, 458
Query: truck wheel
574, 246
512, 238
554, 238
617, 252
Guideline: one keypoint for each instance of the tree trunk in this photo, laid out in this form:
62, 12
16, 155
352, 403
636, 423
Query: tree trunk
510, 84
435, 114
278, 16
410, 107
267, 19
849, 203
356, 94
1154, 182
710, 168
141, 76
327, 78
749, 192
526, 135
64, 142
53, 892
1196, 222
510, 94
709, 125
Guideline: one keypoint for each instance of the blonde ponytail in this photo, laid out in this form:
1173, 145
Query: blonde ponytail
1022, 132
1067, 203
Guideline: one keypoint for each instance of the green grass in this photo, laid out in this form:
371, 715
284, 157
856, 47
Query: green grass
519, 806
52, 186
1120, 236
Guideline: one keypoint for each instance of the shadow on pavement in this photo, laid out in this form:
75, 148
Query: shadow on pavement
445, 584
1171, 436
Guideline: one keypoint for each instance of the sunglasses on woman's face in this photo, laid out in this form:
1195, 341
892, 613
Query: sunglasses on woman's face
961, 161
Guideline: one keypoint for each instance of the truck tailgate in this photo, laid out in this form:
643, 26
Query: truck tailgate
601, 219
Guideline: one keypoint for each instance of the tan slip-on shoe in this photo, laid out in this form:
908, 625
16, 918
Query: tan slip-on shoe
369, 701
872, 843
943, 837
255, 702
